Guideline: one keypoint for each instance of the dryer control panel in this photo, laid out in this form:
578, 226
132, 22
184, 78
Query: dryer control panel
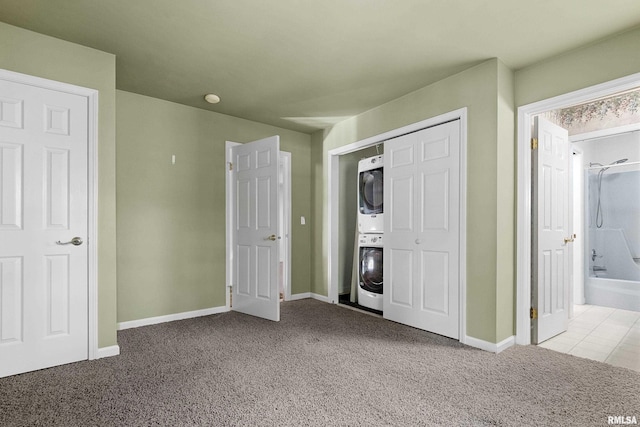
371, 240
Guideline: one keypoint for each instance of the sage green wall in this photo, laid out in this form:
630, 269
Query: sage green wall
477, 89
506, 213
319, 258
171, 218
593, 64
42, 56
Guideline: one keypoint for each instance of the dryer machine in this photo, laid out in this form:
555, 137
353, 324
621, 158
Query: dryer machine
370, 284
370, 200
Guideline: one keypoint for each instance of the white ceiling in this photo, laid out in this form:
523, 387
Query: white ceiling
306, 64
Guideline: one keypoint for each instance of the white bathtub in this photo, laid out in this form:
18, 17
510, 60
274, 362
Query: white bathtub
623, 294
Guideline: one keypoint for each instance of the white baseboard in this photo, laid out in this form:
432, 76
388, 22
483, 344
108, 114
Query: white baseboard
113, 350
304, 295
309, 295
171, 317
319, 297
488, 346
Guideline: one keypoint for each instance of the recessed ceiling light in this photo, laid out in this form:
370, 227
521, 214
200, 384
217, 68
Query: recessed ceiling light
211, 98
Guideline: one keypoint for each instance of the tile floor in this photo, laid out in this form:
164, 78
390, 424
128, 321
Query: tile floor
604, 334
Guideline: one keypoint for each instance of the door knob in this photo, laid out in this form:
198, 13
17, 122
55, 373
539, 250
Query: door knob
76, 241
272, 237
569, 239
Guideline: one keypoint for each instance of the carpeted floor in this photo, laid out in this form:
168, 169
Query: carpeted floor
321, 365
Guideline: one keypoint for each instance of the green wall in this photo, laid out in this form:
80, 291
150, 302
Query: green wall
506, 213
490, 280
492, 92
590, 65
170, 234
171, 218
42, 56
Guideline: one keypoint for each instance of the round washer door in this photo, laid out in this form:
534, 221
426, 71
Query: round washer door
371, 269
370, 191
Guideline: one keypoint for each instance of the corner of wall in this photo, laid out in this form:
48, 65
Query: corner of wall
506, 206
317, 250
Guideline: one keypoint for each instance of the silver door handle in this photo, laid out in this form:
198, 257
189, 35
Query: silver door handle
76, 241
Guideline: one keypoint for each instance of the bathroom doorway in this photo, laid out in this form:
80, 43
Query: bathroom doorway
604, 136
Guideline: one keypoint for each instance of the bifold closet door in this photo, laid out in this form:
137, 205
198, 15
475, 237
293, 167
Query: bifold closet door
421, 251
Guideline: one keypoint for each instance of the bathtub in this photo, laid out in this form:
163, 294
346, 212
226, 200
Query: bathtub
615, 293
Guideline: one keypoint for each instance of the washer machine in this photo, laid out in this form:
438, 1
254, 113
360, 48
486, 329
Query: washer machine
370, 194
370, 276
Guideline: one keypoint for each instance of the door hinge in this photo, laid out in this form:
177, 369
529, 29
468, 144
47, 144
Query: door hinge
230, 166
534, 143
533, 313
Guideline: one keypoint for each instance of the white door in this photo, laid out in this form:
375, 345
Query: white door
550, 232
43, 200
284, 206
421, 250
255, 262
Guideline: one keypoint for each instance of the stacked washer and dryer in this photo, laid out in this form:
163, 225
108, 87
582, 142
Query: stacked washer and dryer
370, 229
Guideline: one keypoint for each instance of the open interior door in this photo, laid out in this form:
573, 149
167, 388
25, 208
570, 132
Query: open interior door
255, 234
550, 231
43, 227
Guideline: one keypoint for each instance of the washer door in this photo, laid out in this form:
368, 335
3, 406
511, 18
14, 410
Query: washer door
371, 269
370, 191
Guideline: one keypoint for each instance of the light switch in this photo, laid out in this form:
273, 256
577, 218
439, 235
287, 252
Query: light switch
173, 159
302, 221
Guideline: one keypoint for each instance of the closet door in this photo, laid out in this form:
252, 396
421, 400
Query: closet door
421, 251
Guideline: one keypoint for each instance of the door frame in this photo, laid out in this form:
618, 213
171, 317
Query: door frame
333, 191
229, 215
285, 168
523, 197
92, 191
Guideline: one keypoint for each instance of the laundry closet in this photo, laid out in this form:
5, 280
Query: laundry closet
361, 200
400, 251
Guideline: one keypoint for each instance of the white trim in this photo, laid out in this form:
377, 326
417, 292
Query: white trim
286, 156
303, 295
92, 231
333, 185
92, 190
319, 297
171, 317
462, 245
113, 350
492, 347
523, 246
229, 222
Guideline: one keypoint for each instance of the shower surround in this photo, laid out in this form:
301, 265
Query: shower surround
612, 255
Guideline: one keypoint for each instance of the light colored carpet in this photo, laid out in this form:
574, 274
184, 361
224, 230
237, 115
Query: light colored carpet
321, 365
